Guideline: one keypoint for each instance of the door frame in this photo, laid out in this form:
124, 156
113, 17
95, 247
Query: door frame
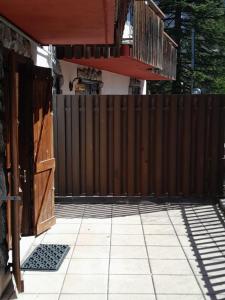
13, 62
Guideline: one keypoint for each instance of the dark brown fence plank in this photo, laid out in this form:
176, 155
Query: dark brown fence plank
165, 133
89, 146
145, 147
117, 145
124, 144
172, 172
187, 146
83, 144
110, 135
61, 163
131, 146
96, 146
138, 146
55, 127
215, 145
180, 145
68, 135
158, 145
103, 146
193, 159
200, 167
152, 148
76, 145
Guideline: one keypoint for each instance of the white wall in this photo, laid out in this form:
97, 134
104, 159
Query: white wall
69, 72
114, 84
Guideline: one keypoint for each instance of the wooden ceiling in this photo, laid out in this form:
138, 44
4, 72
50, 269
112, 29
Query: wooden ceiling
64, 22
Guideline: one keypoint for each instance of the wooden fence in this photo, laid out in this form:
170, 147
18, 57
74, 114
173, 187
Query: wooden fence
139, 145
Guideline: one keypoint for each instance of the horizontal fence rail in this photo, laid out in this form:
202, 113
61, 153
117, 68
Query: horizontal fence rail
139, 145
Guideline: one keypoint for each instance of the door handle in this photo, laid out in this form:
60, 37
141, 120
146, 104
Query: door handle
24, 176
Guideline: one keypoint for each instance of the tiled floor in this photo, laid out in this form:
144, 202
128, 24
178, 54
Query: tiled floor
136, 251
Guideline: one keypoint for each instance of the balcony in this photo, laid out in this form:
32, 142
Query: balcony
147, 52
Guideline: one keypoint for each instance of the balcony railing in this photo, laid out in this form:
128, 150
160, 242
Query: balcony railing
151, 44
148, 35
169, 57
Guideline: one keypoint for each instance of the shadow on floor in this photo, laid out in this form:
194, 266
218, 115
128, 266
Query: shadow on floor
205, 225
202, 221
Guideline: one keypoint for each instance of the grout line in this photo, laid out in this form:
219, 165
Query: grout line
71, 254
183, 207
146, 249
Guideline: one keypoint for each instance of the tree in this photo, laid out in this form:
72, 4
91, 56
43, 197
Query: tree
206, 18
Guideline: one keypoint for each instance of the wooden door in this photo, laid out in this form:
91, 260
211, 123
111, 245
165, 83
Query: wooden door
44, 162
37, 162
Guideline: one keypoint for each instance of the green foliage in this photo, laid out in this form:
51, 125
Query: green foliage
207, 18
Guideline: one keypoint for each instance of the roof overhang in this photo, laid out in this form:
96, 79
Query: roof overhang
63, 22
125, 65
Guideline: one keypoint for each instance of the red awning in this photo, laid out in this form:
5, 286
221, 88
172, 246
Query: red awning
63, 22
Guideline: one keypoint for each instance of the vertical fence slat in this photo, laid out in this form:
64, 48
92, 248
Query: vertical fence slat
55, 130
221, 182
193, 143
117, 145
61, 144
103, 146
152, 136
131, 145
180, 145
76, 145
165, 133
97, 146
89, 146
68, 135
110, 135
187, 144
138, 145
124, 145
145, 147
158, 145
83, 143
172, 172
200, 168
215, 144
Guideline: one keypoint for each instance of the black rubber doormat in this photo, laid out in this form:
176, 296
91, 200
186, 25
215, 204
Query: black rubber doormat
46, 258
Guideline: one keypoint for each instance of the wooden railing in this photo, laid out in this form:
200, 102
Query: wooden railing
148, 35
169, 57
151, 44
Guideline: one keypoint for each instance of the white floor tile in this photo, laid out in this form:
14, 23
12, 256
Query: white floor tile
128, 252
93, 239
173, 284
129, 266
88, 266
43, 283
131, 240
132, 284
85, 284
91, 252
